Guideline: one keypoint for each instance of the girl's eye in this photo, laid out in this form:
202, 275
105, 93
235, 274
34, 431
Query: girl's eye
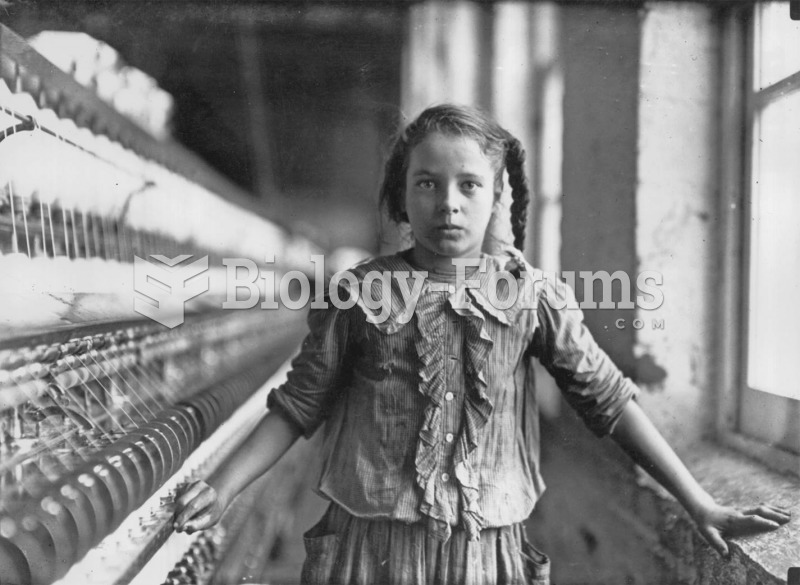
470, 185
426, 184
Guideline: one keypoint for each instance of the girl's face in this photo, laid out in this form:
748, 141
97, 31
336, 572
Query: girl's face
449, 198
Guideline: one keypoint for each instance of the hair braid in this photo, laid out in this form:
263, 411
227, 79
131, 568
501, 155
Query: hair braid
394, 182
520, 196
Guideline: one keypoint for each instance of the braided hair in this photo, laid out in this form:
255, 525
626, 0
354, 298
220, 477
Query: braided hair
501, 148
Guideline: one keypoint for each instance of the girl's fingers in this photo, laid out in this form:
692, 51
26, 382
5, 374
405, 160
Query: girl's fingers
189, 493
732, 523
200, 501
714, 538
777, 509
750, 524
201, 522
774, 513
187, 514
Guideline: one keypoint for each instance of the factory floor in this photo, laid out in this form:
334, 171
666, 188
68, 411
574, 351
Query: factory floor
286, 569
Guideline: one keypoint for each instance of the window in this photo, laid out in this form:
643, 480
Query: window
769, 386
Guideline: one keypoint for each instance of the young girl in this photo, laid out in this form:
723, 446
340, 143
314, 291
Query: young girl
431, 442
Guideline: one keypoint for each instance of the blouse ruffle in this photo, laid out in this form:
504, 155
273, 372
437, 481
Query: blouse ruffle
477, 409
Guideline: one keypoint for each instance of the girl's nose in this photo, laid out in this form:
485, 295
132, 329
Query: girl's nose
449, 201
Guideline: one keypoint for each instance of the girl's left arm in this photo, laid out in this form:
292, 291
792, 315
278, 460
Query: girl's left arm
640, 439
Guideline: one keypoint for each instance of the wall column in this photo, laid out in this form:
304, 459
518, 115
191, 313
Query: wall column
601, 88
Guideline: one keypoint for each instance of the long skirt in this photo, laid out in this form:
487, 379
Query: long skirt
345, 550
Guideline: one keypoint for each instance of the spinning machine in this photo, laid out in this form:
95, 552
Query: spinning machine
105, 413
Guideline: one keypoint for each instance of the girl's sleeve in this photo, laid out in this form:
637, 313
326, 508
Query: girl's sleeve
314, 380
587, 377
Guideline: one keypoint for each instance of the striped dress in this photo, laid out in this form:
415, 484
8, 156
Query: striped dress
431, 457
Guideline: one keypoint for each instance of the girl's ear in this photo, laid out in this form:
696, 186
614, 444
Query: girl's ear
498, 204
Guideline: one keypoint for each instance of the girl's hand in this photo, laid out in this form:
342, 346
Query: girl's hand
717, 522
198, 507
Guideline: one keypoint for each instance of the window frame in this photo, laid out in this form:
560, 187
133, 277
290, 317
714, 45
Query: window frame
737, 124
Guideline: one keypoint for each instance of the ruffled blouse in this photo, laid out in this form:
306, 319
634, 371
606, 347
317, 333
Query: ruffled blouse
430, 406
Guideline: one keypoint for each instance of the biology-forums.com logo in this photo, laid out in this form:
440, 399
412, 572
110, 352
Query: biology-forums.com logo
164, 285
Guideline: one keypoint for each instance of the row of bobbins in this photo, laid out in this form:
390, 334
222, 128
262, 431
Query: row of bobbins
43, 537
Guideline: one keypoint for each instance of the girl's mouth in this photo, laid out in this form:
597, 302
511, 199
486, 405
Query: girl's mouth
449, 231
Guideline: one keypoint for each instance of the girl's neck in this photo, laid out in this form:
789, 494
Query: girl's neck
433, 263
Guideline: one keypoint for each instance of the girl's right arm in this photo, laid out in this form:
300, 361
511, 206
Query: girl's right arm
295, 408
203, 503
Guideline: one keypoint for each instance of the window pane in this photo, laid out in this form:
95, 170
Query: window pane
777, 41
774, 305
